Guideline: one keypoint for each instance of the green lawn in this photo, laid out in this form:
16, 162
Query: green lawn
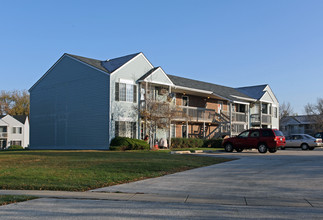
7, 199
85, 170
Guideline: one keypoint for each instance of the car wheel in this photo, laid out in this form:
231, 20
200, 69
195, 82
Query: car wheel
239, 149
304, 146
311, 148
228, 147
272, 150
262, 148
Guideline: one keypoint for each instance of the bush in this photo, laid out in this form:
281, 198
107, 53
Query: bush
214, 143
186, 143
15, 147
124, 143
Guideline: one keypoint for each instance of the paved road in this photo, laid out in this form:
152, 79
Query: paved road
285, 185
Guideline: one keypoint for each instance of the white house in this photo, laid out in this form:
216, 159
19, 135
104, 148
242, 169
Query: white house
14, 130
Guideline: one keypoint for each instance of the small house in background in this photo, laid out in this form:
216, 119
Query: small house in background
14, 130
300, 124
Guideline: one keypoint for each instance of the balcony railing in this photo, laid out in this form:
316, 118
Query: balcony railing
236, 116
195, 114
265, 118
3, 134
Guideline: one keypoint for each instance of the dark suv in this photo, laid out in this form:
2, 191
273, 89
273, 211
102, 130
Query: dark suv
261, 139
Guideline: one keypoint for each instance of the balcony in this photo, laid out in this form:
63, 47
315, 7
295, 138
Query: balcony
196, 114
265, 119
237, 116
3, 134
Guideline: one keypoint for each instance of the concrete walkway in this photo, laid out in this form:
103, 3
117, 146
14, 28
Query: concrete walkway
219, 200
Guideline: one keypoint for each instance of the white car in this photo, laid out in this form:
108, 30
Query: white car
304, 141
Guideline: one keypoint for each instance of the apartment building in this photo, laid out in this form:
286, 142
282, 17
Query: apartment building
82, 103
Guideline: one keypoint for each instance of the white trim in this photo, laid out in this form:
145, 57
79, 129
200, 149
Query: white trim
129, 61
243, 98
14, 119
157, 82
243, 103
146, 59
165, 75
127, 81
195, 90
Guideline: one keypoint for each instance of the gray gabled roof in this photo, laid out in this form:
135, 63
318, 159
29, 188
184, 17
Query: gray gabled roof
92, 62
113, 64
223, 91
297, 120
148, 74
20, 118
255, 92
108, 66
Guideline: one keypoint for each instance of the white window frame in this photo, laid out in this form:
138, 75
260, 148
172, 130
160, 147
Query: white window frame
15, 129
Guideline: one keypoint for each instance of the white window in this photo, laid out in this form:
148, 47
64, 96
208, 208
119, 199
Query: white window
15, 143
125, 92
275, 112
173, 130
17, 130
125, 129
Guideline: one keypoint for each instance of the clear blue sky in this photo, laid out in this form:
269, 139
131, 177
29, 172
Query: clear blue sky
229, 42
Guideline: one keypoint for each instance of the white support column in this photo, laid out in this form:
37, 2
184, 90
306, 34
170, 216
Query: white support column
260, 114
230, 110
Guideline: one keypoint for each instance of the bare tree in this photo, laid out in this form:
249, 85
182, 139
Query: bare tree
285, 109
14, 102
315, 113
157, 114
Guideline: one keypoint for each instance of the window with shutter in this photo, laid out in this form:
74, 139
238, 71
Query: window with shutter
134, 93
125, 92
117, 91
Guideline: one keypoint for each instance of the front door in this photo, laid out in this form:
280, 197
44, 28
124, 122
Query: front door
3, 143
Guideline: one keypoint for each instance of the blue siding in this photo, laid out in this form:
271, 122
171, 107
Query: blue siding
70, 108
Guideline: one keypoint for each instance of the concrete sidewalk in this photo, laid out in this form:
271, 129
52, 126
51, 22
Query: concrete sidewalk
192, 199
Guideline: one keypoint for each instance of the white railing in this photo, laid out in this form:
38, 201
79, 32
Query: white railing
195, 114
265, 118
3, 134
236, 116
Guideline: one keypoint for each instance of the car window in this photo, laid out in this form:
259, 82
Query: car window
254, 134
278, 133
308, 136
244, 134
297, 137
318, 135
294, 137
267, 133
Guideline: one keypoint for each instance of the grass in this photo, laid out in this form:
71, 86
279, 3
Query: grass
85, 170
7, 199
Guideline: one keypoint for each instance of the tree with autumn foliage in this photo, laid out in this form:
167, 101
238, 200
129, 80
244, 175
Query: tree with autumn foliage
16, 102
